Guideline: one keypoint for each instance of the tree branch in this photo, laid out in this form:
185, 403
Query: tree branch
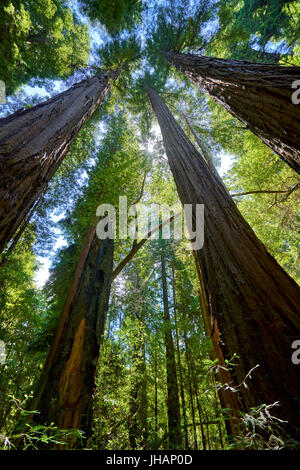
287, 193
137, 246
142, 190
265, 191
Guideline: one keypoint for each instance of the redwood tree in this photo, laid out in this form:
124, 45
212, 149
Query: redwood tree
65, 392
259, 95
34, 142
251, 302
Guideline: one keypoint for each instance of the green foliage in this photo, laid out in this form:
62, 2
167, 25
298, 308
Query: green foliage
248, 28
269, 20
111, 403
120, 152
120, 53
115, 15
181, 27
273, 216
22, 314
293, 58
118, 169
37, 437
138, 101
40, 39
263, 431
123, 55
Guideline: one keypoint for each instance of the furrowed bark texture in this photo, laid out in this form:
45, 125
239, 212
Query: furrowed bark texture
250, 299
228, 398
65, 392
173, 405
259, 95
35, 141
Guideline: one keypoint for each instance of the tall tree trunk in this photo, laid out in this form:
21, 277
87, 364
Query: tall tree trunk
65, 391
248, 297
173, 405
229, 399
259, 95
193, 381
182, 394
262, 56
23, 226
202, 148
35, 141
155, 398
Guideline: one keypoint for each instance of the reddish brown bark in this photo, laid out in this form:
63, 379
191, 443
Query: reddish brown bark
249, 297
65, 392
33, 144
229, 399
259, 95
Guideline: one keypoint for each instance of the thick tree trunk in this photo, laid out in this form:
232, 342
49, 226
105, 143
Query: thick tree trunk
173, 405
23, 226
252, 301
203, 151
34, 142
229, 398
65, 392
259, 95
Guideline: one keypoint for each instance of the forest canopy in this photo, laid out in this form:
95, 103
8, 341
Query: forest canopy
141, 339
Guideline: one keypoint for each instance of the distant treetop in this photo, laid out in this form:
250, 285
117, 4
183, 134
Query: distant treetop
115, 15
